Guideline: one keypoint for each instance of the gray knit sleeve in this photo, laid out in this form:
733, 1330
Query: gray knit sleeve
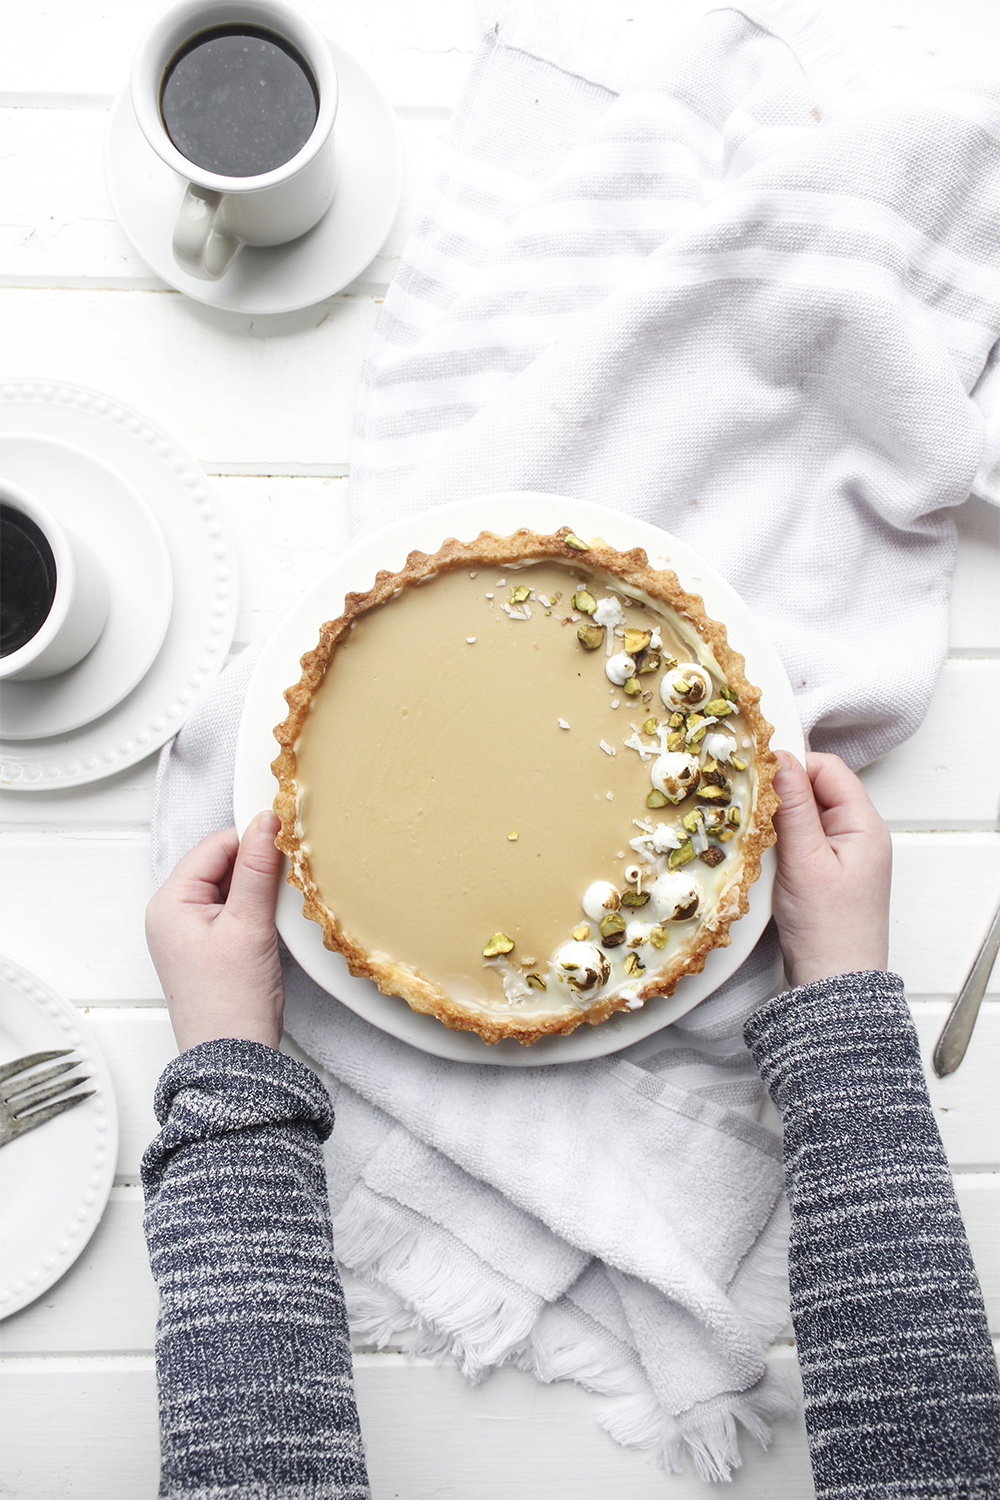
253, 1356
900, 1382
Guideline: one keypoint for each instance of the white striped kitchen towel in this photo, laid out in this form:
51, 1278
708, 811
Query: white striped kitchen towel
657, 274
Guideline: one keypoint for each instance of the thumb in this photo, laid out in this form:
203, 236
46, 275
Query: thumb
253, 890
797, 820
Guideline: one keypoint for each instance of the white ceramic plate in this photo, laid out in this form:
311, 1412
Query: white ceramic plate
95, 502
54, 1181
146, 196
202, 558
278, 667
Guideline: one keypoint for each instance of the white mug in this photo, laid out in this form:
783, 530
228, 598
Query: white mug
220, 214
79, 605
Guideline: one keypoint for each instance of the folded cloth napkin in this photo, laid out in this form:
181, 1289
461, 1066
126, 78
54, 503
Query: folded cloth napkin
655, 275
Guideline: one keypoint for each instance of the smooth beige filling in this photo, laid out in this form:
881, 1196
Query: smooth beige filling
441, 801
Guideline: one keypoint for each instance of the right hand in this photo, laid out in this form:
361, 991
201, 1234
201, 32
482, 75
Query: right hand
831, 894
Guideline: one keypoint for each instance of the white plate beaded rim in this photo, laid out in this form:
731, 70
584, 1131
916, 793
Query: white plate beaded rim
203, 556
55, 1180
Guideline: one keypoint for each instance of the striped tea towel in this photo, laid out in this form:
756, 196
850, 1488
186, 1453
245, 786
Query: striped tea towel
657, 276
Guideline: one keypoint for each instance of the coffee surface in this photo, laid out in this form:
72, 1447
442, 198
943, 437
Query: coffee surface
28, 585
239, 101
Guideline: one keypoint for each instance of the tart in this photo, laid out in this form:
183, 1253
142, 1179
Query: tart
524, 783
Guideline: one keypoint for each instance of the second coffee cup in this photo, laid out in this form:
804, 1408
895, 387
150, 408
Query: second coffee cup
239, 98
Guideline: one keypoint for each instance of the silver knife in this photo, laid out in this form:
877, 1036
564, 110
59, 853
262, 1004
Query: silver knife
954, 1038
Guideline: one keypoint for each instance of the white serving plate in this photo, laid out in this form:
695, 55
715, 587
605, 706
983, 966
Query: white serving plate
55, 1180
278, 667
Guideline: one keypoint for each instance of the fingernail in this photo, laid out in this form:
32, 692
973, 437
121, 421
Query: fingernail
269, 823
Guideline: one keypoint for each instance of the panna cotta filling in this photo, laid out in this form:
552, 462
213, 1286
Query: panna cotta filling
500, 789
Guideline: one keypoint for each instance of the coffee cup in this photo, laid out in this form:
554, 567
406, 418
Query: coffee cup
55, 596
239, 98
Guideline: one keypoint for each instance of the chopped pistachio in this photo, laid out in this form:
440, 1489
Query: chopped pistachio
670, 662
734, 816
691, 819
677, 721
714, 775
698, 734
719, 707
520, 594
580, 933
658, 936
650, 725
708, 765
728, 694
740, 765
574, 543
636, 640
535, 980
676, 740
709, 792
590, 636
634, 898
584, 601
513, 836
651, 662
632, 686
498, 943
677, 858
612, 930
726, 835
634, 964
655, 798
712, 856
682, 686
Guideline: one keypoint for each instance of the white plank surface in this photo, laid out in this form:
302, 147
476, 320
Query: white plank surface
266, 406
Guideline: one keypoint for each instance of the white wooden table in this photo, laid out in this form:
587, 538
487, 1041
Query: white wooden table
266, 406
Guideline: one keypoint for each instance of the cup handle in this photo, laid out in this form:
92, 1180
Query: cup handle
199, 247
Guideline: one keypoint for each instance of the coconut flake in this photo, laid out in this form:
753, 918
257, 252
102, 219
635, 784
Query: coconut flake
608, 749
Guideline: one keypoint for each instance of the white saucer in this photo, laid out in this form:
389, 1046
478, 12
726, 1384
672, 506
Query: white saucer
202, 557
55, 1180
93, 501
146, 196
278, 666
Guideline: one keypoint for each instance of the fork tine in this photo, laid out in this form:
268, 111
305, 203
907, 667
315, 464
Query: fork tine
21, 1127
8, 1070
23, 1084
25, 1103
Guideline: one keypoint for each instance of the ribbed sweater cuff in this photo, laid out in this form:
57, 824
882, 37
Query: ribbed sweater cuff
225, 1086
848, 1025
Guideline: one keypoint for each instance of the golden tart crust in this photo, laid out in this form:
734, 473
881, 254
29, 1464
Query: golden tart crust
526, 1016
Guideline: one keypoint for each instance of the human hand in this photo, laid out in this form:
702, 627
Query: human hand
210, 932
831, 894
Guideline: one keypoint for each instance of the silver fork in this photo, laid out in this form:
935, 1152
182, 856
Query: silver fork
22, 1091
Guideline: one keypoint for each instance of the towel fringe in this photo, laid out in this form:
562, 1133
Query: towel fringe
759, 1289
446, 1295
565, 1345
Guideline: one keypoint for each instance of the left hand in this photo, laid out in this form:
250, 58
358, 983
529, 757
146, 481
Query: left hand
211, 934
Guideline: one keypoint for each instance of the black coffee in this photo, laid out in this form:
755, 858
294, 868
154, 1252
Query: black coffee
27, 579
239, 101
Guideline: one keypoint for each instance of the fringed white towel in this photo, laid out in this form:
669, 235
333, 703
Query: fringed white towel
656, 277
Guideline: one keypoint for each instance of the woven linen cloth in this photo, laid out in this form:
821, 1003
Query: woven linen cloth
656, 274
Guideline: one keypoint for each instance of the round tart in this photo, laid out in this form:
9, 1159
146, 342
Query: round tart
524, 783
